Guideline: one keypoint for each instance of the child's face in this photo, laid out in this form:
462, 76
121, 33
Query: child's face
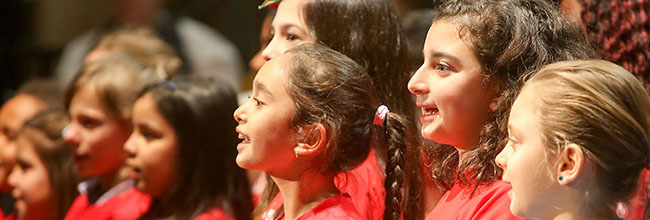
152, 148
13, 115
287, 29
95, 134
264, 123
524, 162
449, 89
32, 187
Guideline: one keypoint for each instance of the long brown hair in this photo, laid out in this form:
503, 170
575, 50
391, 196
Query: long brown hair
208, 176
369, 32
44, 132
510, 38
603, 109
333, 90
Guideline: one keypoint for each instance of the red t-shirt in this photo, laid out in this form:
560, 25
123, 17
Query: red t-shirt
488, 202
214, 214
9, 217
127, 205
364, 184
337, 207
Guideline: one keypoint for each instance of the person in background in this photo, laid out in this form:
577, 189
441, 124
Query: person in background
182, 151
45, 178
33, 97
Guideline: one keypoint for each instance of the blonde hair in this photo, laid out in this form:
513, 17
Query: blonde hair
143, 45
118, 78
605, 110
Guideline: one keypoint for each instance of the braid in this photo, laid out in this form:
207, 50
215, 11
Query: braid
394, 181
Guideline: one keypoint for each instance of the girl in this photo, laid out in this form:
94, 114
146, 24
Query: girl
577, 148
474, 54
367, 31
44, 178
99, 102
182, 153
310, 118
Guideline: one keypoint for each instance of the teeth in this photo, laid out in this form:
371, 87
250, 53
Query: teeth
244, 138
429, 111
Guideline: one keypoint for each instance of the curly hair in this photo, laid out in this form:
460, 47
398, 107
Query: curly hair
621, 31
511, 39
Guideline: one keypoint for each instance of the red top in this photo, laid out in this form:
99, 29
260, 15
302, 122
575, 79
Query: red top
364, 184
127, 205
488, 202
9, 217
337, 207
214, 214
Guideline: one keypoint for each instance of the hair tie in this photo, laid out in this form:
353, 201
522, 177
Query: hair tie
380, 115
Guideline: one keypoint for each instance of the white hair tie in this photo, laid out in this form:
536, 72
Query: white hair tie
380, 115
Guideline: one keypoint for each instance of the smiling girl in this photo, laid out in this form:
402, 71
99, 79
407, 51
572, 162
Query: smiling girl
313, 115
181, 151
475, 53
577, 148
368, 32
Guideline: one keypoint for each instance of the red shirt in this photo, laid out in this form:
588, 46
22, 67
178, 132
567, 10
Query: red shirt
9, 217
488, 202
214, 214
127, 205
364, 184
337, 207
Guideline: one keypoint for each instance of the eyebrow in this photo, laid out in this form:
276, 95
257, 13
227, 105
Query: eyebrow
444, 55
263, 88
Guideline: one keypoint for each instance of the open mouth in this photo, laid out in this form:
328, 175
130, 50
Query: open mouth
244, 138
429, 111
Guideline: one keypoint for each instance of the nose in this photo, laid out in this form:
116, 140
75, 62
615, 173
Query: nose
130, 145
500, 159
417, 85
13, 177
272, 50
239, 114
71, 135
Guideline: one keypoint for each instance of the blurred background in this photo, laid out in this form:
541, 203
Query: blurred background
34, 33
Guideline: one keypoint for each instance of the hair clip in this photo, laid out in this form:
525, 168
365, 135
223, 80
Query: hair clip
269, 3
380, 115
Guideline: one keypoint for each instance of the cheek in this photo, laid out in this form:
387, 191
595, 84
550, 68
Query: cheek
36, 188
158, 168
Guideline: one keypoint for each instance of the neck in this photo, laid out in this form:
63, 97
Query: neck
304, 193
110, 179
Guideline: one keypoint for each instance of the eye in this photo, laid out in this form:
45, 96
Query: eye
257, 101
291, 37
88, 122
442, 67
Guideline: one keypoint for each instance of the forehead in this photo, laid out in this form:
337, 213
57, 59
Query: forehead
525, 104
273, 74
289, 12
444, 36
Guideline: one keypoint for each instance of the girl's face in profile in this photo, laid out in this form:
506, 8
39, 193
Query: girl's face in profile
95, 134
287, 29
265, 123
450, 89
152, 148
524, 161
31, 182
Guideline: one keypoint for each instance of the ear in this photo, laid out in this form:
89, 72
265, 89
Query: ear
494, 88
572, 164
313, 142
